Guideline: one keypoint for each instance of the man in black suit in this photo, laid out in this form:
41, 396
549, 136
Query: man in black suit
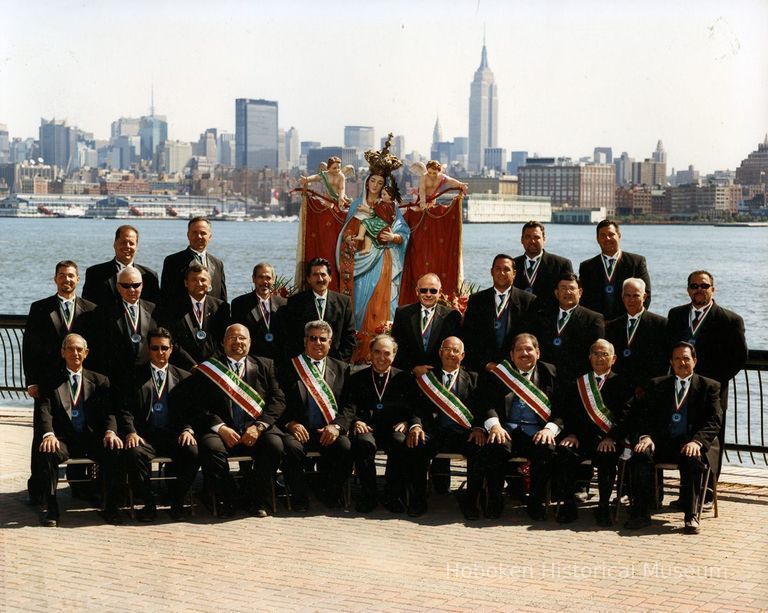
378, 398
602, 276
639, 338
495, 316
154, 423
198, 324
317, 417
444, 420
679, 421
48, 322
101, 279
537, 270
124, 326
420, 328
232, 420
172, 290
320, 303
595, 411
717, 334
76, 420
258, 311
567, 331
522, 419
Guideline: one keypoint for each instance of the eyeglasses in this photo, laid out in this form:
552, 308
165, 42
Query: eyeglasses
130, 285
699, 286
601, 354
238, 337
428, 290
318, 339
162, 348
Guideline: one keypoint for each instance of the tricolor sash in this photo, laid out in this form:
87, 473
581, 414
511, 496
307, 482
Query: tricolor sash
242, 394
445, 400
316, 386
593, 402
526, 390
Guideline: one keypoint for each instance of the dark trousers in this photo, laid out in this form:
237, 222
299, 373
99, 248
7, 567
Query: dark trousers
667, 451
335, 464
267, 454
567, 469
364, 447
494, 458
138, 465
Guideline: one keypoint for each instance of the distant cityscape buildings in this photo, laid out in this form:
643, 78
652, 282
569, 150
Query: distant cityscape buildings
256, 134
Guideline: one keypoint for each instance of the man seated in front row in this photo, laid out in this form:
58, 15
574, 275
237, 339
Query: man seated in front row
444, 421
237, 401
521, 421
596, 408
316, 418
76, 420
152, 421
678, 421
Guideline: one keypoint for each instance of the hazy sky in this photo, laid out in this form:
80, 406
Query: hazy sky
571, 75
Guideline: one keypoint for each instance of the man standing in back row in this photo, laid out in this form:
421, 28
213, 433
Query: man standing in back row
537, 270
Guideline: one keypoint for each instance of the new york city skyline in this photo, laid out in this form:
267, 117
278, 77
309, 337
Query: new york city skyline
570, 78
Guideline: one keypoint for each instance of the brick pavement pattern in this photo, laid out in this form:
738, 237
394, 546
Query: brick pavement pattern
340, 561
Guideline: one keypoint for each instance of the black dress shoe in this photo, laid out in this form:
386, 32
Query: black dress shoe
637, 523
567, 513
300, 505
366, 505
260, 512
147, 514
471, 511
112, 516
51, 519
226, 508
494, 508
692, 526
603, 516
417, 508
536, 511
176, 512
441, 485
393, 505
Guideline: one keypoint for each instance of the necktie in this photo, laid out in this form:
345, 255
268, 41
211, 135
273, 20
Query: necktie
200, 258
599, 381
132, 311
447, 381
562, 320
321, 306
318, 366
631, 323
499, 302
696, 317
238, 368
67, 311
424, 319
160, 377
609, 265
198, 310
73, 385
531, 267
265, 311
681, 391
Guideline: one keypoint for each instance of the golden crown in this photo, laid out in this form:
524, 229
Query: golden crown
383, 162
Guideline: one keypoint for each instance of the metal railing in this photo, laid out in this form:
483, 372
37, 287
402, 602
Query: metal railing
746, 428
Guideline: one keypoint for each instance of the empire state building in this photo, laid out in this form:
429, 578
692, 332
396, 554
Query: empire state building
483, 114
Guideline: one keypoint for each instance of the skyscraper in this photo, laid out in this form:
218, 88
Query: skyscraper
359, 138
153, 131
660, 155
292, 147
437, 132
483, 114
256, 133
5, 145
57, 142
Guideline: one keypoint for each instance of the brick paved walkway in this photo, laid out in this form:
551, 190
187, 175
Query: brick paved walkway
342, 561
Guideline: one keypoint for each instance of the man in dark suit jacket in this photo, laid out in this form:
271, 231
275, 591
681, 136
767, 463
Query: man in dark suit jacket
515, 427
378, 398
537, 270
101, 279
432, 430
717, 334
76, 419
420, 328
495, 316
198, 326
258, 311
595, 413
225, 428
48, 322
172, 290
319, 302
602, 276
567, 331
680, 418
154, 423
639, 338
317, 416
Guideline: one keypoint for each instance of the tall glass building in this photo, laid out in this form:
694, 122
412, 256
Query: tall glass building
256, 133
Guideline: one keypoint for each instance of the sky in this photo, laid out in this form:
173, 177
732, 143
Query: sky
571, 75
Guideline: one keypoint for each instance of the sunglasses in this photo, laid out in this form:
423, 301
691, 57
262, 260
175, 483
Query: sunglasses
321, 339
162, 348
699, 285
428, 290
130, 285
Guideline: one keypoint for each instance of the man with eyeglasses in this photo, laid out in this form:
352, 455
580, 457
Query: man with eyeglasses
317, 417
716, 333
420, 328
153, 422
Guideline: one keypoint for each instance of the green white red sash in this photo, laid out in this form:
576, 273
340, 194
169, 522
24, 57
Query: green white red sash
593, 402
525, 389
316, 386
445, 400
242, 394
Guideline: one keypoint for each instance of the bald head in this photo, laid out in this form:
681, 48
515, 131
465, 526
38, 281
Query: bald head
237, 341
428, 289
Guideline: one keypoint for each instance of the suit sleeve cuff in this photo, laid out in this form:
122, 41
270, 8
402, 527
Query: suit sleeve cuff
216, 428
553, 428
491, 422
47, 434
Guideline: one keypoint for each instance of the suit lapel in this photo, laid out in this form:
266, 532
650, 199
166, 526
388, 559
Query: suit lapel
416, 324
56, 318
144, 321
147, 394
329, 376
64, 398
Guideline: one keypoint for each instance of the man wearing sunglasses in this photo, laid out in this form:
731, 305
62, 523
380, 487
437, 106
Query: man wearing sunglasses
715, 332
152, 422
420, 328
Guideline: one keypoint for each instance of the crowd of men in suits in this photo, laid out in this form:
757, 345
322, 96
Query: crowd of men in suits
545, 364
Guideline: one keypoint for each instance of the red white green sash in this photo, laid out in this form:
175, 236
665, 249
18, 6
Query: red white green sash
242, 394
526, 390
593, 402
445, 400
316, 386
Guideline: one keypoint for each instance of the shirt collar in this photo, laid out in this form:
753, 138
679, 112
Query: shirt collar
195, 300
686, 379
200, 253
127, 304
72, 372
452, 372
534, 259
561, 311
319, 296
615, 256
155, 368
233, 362
62, 299
638, 316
